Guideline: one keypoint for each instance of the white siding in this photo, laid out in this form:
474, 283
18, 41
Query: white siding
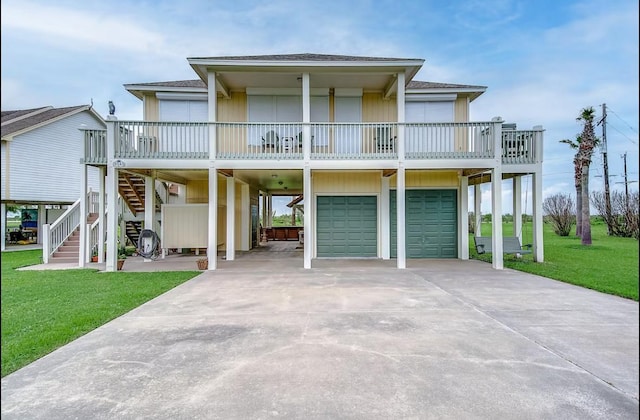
3, 168
45, 162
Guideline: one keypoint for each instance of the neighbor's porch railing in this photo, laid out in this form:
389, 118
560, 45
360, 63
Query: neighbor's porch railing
338, 141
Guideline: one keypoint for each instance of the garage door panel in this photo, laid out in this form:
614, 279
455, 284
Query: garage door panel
347, 226
431, 223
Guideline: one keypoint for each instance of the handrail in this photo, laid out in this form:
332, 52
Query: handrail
59, 231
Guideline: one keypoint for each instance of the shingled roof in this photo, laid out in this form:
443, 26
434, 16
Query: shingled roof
415, 84
19, 120
303, 57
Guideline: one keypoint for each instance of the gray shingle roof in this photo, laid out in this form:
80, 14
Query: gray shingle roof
46, 114
415, 84
176, 83
304, 57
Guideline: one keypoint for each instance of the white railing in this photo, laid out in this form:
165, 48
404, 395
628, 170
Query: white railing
356, 141
54, 235
162, 140
95, 146
521, 146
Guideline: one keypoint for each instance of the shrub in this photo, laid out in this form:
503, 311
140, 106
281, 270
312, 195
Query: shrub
559, 209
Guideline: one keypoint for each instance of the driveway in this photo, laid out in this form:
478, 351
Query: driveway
348, 339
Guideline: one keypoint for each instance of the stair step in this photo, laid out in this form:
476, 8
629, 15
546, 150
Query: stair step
54, 260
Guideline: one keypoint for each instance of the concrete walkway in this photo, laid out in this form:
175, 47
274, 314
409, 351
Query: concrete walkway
348, 339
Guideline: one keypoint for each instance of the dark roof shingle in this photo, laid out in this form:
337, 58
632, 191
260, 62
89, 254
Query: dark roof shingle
47, 113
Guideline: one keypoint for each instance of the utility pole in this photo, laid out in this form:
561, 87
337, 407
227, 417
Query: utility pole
626, 183
607, 196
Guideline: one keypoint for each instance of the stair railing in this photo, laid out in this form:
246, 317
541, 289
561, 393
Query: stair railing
54, 234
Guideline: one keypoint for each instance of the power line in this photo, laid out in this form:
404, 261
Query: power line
623, 135
620, 118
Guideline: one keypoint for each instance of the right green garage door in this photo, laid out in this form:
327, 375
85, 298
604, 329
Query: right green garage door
431, 223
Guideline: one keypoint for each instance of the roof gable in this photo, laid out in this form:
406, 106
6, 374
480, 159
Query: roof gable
20, 121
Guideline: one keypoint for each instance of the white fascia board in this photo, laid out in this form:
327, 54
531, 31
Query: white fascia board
430, 97
255, 91
136, 90
184, 96
449, 163
208, 62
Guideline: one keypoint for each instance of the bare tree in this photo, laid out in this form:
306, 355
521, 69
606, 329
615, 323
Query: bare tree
559, 209
577, 179
588, 142
622, 219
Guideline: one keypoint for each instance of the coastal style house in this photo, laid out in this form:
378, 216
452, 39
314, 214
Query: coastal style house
41, 153
383, 163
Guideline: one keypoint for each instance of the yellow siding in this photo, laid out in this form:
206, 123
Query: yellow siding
185, 225
439, 179
151, 108
346, 182
461, 110
377, 109
233, 109
198, 191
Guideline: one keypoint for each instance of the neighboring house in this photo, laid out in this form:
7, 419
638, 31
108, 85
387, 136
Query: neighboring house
41, 157
383, 163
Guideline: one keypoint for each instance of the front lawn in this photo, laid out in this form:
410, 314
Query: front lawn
43, 310
609, 265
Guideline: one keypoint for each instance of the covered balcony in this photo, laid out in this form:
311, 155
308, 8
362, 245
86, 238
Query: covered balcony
162, 141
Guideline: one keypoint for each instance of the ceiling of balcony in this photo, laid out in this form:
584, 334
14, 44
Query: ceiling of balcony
366, 81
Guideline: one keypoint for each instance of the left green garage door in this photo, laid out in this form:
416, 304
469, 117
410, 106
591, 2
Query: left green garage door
347, 226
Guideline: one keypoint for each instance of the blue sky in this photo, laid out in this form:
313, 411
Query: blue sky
543, 61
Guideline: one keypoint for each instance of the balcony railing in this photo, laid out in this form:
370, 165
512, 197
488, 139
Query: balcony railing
327, 141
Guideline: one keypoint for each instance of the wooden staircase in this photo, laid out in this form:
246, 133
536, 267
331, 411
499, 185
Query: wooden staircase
131, 188
69, 251
132, 230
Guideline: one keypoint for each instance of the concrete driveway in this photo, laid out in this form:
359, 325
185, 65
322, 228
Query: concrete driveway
348, 339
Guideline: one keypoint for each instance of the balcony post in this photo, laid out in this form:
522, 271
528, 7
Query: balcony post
306, 117
477, 208
517, 206
497, 260
84, 240
538, 242
101, 214
212, 97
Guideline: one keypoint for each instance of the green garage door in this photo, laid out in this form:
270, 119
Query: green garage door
431, 224
347, 226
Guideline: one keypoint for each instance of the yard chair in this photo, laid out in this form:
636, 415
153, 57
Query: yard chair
384, 142
270, 140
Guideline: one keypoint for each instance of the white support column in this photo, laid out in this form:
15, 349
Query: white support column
517, 207
112, 196
497, 259
149, 211
231, 218
477, 209
101, 214
84, 237
463, 243
538, 242
309, 239
3, 226
270, 209
400, 177
112, 218
400, 223
385, 218
245, 218
212, 248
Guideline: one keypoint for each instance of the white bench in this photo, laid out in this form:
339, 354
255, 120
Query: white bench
510, 245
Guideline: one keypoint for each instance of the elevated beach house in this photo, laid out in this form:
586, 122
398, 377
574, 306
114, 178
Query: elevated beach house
382, 164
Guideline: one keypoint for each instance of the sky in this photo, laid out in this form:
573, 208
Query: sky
542, 61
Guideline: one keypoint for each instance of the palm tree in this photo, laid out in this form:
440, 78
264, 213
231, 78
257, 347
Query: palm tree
577, 179
585, 151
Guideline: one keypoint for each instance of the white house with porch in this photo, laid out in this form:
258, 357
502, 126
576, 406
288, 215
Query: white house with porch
383, 162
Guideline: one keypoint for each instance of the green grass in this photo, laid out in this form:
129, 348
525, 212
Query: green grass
609, 265
43, 310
